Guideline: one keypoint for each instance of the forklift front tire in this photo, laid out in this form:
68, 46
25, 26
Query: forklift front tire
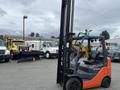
106, 82
73, 84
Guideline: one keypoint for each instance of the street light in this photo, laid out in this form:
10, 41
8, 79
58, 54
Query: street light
24, 17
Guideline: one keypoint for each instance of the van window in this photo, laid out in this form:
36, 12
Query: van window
32, 45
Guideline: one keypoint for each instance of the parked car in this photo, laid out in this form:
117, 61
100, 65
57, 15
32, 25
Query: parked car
4, 52
114, 53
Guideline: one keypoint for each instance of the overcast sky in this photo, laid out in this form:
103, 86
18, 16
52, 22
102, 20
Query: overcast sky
44, 16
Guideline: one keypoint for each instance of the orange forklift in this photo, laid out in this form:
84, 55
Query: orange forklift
75, 72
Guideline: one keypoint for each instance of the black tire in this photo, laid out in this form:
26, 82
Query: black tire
47, 55
6, 60
11, 51
106, 82
73, 84
119, 60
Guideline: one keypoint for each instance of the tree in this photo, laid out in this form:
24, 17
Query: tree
105, 34
52, 36
32, 34
37, 35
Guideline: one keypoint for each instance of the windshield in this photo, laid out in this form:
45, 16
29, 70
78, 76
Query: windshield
89, 50
50, 44
2, 43
18, 42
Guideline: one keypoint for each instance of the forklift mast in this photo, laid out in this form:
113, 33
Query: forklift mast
66, 31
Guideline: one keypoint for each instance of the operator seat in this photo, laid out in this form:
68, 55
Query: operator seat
92, 66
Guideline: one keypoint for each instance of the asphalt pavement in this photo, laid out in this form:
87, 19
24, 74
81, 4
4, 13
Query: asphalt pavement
40, 75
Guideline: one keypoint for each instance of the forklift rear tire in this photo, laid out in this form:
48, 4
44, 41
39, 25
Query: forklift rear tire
73, 84
106, 82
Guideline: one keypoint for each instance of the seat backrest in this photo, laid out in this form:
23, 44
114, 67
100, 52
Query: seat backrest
92, 55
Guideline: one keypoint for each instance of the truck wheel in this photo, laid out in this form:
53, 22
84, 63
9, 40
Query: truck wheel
106, 82
6, 60
73, 84
119, 60
47, 55
11, 51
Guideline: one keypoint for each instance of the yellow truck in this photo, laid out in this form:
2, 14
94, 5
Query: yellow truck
13, 45
12, 48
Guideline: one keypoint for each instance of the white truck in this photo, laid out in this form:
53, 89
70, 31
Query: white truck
48, 48
4, 52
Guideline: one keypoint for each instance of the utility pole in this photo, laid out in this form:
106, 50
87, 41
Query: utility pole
24, 17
